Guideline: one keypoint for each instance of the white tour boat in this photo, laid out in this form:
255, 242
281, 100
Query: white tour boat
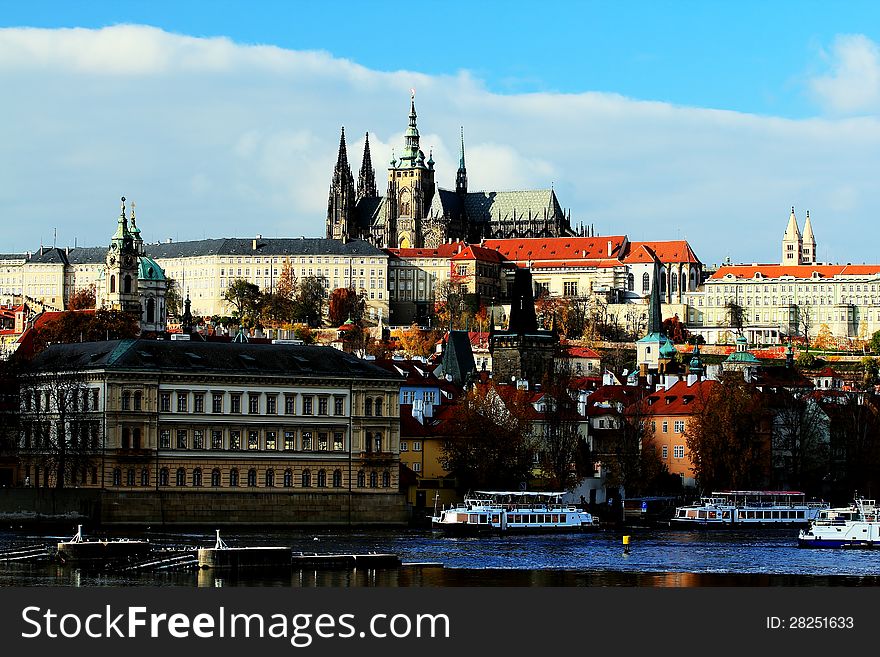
506, 511
749, 508
854, 526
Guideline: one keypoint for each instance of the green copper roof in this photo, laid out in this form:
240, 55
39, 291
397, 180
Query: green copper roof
149, 270
668, 349
742, 357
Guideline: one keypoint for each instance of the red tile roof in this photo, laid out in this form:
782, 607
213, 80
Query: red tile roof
671, 251
680, 399
795, 271
582, 352
557, 249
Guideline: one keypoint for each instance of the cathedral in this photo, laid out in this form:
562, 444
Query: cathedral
415, 213
798, 249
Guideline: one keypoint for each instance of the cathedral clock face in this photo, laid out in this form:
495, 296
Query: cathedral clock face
128, 261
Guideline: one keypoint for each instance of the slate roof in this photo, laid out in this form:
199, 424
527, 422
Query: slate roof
210, 357
265, 246
484, 207
81, 255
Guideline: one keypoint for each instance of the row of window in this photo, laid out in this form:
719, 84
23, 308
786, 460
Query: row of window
198, 478
308, 405
678, 426
416, 446
677, 451
256, 440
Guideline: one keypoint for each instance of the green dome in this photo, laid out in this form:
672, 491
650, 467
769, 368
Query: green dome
668, 350
149, 270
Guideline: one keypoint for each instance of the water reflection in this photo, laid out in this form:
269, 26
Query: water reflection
657, 558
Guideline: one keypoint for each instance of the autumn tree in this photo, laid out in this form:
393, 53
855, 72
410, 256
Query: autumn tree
308, 301
735, 315
855, 439
824, 338
346, 304
418, 342
727, 446
489, 441
563, 452
675, 330
801, 437
245, 298
173, 300
82, 299
628, 453
83, 326
287, 283
806, 321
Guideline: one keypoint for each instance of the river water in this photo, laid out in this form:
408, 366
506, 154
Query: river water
657, 557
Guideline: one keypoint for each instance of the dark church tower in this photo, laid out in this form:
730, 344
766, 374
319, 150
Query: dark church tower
461, 176
523, 352
366, 187
340, 206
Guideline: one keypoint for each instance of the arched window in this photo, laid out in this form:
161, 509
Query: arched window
129, 477
337, 479
270, 479
233, 477
181, 477
288, 478
386, 479
322, 479
215, 477
662, 283
374, 480
378, 407
197, 477
306, 479
368, 406
674, 282
127, 282
145, 477
252, 478
117, 477
630, 282
646, 283
163, 477
151, 310
112, 284
362, 480
683, 283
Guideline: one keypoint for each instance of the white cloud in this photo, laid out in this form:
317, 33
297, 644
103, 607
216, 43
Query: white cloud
853, 85
215, 138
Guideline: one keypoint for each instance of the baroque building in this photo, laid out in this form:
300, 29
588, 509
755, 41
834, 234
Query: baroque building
131, 281
415, 213
221, 426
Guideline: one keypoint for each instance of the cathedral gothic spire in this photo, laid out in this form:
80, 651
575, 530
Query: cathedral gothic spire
461, 176
366, 186
340, 205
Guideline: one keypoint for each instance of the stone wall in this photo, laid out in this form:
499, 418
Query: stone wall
193, 508
255, 509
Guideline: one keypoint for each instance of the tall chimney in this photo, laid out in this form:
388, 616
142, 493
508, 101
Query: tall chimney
609, 248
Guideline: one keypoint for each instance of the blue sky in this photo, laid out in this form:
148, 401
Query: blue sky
658, 119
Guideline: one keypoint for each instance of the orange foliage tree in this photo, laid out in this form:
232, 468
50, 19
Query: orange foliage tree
418, 342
